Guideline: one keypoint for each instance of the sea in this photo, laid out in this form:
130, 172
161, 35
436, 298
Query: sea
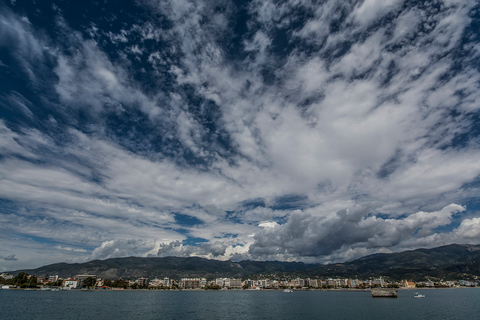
462, 303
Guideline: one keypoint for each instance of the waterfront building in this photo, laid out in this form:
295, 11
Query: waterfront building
220, 282
299, 283
333, 282
142, 282
249, 283
71, 283
6, 276
53, 278
275, 284
168, 282
343, 283
190, 283
313, 283
354, 283
408, 284
379, 282
429, 284
466, 283
233, 283
155, 283
265, 283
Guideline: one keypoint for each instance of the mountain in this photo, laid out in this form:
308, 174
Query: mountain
451, 261
441, 262
173, 267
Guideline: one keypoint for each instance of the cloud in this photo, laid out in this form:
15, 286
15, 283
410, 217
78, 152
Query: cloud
209, 250
368, 11
9, 258
121, 248
285, 131
355, 231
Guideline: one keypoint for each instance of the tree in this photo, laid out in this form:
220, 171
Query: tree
107, 282
212, 287
32, 282
89, 282
21, 278
119, 283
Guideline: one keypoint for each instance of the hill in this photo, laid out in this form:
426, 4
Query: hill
447, 262
441, 262
173, 267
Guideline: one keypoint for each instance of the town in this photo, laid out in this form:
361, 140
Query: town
91, 282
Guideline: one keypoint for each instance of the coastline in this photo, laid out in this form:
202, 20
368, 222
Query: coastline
231, 290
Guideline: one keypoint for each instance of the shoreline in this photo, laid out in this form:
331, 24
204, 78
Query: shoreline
232, 290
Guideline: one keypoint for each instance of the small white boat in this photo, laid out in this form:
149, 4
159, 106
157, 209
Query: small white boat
418, 295
288, 290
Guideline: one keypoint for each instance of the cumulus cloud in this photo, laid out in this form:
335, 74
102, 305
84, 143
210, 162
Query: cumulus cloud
221, 250
352, 231
209, 250
282, 130
121, 248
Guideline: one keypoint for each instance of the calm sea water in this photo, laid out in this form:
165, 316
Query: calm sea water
438, 304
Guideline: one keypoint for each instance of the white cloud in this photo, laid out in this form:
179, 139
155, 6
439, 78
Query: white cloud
370, 10
344, 120
268, 224
347, 234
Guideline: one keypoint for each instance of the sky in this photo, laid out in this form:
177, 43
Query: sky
314, 131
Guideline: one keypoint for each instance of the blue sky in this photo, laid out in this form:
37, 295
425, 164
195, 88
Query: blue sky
270, 130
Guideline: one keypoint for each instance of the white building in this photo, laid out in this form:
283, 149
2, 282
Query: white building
190, 283
6, 276
70, 283
333, 282
379, 282
299, 283
353, 283
313, 283
142, 282
220, 282
155, 283
234, 283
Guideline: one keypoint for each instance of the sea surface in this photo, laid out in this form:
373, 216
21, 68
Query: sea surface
437, 304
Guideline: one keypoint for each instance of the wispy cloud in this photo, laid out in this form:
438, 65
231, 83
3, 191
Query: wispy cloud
316, 132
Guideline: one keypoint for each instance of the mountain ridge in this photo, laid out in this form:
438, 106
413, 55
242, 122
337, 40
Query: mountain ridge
441, 262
